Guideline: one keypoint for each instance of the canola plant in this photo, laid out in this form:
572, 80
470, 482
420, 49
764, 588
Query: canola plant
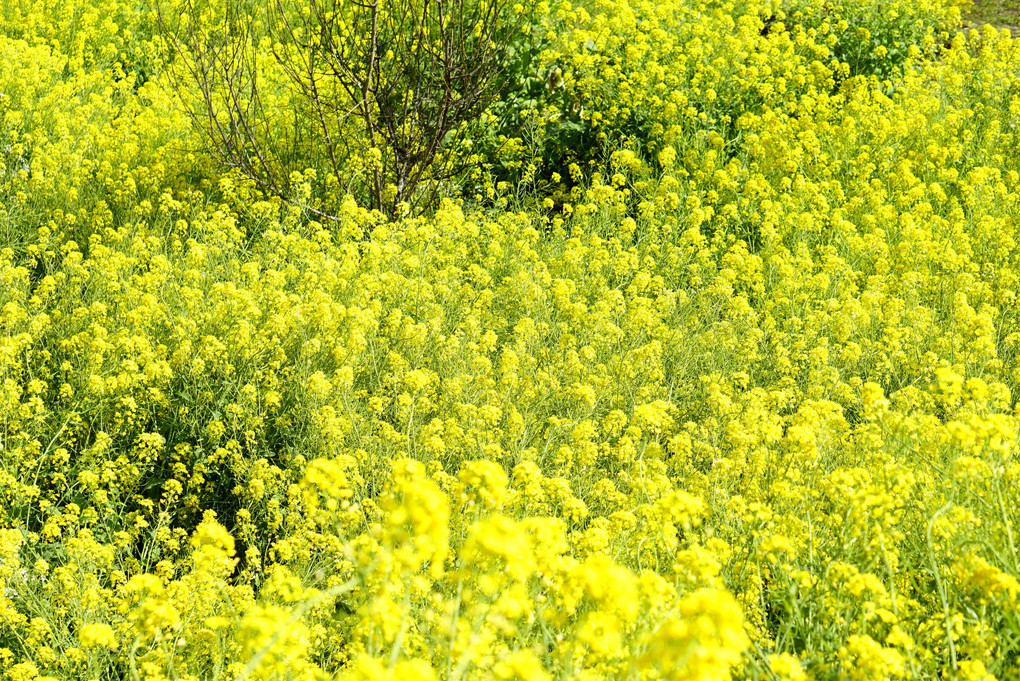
728, 393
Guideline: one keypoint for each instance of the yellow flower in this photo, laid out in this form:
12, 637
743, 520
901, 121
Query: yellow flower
786, 667
864, 658
97, 635
704, 640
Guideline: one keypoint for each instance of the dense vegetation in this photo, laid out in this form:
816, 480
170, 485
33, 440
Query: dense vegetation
697, 361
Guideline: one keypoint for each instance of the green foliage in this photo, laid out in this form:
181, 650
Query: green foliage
876, 38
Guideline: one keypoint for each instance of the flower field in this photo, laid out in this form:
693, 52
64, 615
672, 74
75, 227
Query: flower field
707, 369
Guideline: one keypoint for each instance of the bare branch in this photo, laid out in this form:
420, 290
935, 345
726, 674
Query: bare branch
398, 78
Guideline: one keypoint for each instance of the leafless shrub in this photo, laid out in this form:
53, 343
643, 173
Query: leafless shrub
372, 94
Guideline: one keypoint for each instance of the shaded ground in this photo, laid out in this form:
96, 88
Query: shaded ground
998, 13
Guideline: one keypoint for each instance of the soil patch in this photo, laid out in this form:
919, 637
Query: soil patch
999, 13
